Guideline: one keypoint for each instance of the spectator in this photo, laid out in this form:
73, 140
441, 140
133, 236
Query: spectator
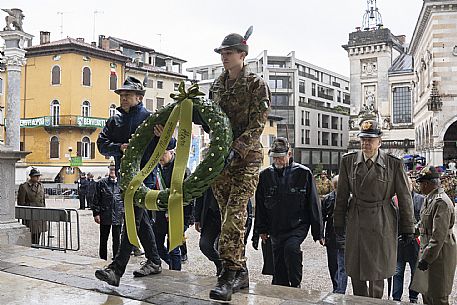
108, 212
31, 193
83, 185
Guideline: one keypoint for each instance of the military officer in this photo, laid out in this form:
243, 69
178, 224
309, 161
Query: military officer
368, 180
324, 184
245, 98
438, 246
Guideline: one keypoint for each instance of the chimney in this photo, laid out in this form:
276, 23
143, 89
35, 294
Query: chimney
45, 37
105, 44
80, 39
100, 41
94, 44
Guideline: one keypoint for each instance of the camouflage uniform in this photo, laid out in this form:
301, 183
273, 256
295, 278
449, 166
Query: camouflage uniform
324, 186
246, 104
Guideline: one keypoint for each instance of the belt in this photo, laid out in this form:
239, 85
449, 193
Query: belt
365, 204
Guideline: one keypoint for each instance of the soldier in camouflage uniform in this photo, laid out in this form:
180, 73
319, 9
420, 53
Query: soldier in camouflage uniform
245, 98
324, 184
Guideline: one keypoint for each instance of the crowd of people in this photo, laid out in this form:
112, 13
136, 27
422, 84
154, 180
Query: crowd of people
371, 218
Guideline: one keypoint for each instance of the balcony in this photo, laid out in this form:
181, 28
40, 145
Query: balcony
307, 75
64, 121
322, 94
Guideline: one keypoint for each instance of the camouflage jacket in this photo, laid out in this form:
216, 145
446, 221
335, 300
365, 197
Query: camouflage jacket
246, 104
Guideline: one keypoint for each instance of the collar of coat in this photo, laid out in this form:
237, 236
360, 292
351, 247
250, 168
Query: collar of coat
241, 81
381, 160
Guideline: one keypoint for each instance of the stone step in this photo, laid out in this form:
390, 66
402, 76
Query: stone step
51, 277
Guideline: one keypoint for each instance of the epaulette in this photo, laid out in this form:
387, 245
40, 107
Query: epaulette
393, 156
350, 153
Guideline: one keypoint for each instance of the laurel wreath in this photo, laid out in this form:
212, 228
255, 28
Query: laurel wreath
209, 168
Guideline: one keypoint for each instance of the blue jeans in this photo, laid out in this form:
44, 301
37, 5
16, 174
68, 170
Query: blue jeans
406, 254
335, 259
173, 259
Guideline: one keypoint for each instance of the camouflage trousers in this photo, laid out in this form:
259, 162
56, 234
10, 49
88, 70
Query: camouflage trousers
232, 190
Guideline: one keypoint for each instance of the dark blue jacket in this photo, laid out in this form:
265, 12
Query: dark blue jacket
118, 130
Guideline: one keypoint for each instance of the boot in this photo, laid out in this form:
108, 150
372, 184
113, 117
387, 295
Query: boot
224, 286
108, 275
241, 280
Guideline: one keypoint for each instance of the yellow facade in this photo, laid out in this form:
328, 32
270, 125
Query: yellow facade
73, 122
270, 132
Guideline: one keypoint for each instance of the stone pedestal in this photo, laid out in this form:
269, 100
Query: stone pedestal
14, 55
11, 232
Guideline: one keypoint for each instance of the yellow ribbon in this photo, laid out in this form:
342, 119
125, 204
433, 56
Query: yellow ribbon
136, 182
183, 113
175, 201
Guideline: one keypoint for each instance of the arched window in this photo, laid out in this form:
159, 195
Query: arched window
55, 112
55, 75
85, 108
85, 147
112, 110
86, 76
54, 147
113, 81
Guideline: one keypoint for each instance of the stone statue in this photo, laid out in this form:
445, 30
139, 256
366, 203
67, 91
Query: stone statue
14, 18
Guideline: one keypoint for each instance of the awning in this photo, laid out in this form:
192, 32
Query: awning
97, 171
48, 173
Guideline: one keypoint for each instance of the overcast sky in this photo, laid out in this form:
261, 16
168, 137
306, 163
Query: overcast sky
191, 29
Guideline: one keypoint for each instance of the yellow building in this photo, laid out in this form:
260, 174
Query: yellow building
67, 93
270, 133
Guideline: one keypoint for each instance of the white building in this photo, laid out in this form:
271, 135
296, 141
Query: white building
313, 101
434, 51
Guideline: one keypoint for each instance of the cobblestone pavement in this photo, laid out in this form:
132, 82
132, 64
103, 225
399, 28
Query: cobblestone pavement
315, 272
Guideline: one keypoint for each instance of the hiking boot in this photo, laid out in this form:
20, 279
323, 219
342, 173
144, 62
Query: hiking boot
147, 268
108, 275
224, 287
241, 280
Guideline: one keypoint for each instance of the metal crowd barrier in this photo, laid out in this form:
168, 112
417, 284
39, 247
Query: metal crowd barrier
62, 232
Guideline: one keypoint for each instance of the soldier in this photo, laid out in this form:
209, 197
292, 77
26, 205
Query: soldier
438, 245
245, 98
287, 206
324, 184
368, 180
31, 193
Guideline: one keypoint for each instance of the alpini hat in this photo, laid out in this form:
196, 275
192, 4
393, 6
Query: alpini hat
369, 129
279, 148
131, 84
235, 41
34, 172
427, 173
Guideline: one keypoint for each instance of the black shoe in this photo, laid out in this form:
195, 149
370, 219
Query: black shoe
137, 252
184, 258
108, 275
147, 268
224, 287
241, 280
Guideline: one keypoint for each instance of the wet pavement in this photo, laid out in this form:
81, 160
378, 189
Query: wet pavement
38, 276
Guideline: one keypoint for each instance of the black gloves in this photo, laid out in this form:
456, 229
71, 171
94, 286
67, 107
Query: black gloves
407, 238
423, 265
255, 242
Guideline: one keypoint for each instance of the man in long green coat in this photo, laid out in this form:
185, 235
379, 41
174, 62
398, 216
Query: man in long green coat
438, 251
31, 193
368, 180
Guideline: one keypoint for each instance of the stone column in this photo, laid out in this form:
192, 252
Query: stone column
15, 59
11, 231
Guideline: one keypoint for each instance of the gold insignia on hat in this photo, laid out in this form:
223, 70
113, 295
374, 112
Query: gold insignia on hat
367, 125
